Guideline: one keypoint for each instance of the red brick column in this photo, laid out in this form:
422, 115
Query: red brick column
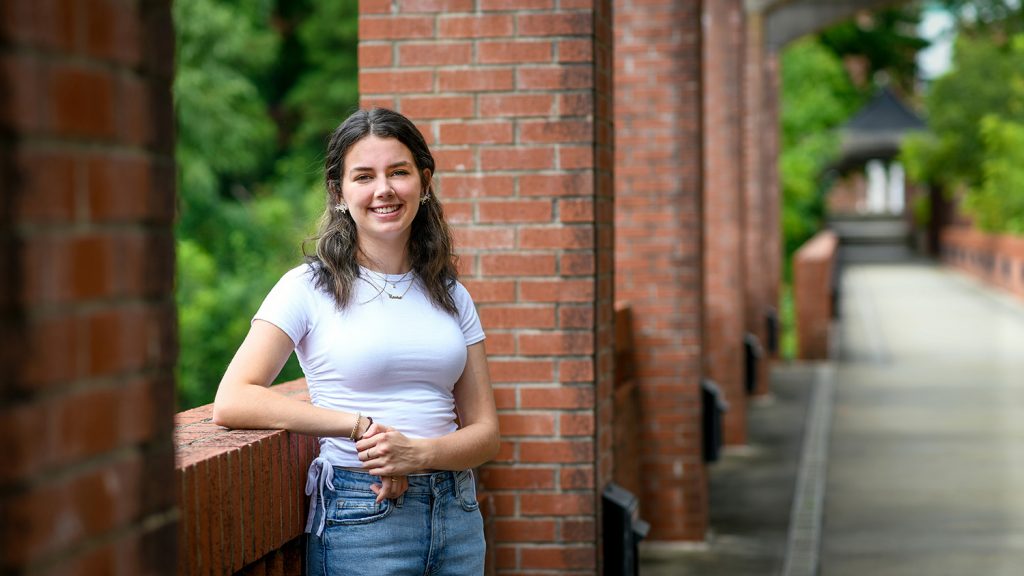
87, 317
772, 191
517, 107
724, 303
813, 274
756, 293
658, 249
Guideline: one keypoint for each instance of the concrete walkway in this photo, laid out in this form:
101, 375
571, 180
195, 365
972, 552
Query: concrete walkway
925, 462
926, 465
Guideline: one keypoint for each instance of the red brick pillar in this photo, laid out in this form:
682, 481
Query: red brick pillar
772, 191
87, 317
724, 302
658, 249
756, 294
516, 105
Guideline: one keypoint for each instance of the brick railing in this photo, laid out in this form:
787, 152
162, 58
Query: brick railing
998, 259
241, 494
243, 506
814, 294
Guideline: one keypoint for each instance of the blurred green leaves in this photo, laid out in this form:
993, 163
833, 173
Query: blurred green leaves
976, 117
258, 86
817, 96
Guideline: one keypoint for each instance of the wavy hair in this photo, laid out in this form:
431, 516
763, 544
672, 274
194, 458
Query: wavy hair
334, 264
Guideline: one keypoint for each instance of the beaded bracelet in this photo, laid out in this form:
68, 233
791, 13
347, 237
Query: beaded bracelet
355, 427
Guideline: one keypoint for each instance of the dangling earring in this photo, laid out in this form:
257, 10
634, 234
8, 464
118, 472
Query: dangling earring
425, 198
341, 207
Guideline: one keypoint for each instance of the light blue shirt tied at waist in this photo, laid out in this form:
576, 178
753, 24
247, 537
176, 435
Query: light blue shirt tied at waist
321, 474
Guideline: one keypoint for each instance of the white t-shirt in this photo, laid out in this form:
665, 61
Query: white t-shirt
396, 360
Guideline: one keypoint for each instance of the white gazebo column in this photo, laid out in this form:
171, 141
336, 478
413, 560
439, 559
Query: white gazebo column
876, 186
896, 193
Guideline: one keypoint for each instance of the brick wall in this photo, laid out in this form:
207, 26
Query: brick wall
997, 259
771, 191
756, 297
658, 249
724, 302
87, 317
848, 194
814, 294
516, 105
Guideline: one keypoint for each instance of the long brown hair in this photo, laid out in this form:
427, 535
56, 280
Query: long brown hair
334, 264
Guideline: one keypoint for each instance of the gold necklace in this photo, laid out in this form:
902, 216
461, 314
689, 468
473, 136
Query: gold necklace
383, 289
384, 278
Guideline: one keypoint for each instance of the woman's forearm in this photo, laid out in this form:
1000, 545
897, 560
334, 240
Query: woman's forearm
248, 406
467, 447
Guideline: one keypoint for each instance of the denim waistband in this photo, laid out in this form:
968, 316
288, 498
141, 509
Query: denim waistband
323, 476
433, 482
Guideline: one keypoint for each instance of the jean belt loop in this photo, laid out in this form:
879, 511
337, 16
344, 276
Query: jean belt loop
455, 480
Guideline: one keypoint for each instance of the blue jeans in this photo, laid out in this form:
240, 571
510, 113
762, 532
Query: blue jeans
434, 528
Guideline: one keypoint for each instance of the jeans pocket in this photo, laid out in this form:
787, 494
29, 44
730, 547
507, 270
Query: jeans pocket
350, 508
467, 491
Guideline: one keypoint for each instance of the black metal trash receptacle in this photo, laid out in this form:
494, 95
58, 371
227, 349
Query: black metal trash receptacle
713, 408
752, 353
771, 319
622, 529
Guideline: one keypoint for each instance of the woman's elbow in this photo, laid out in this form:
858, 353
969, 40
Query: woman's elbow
221, 415
225, 411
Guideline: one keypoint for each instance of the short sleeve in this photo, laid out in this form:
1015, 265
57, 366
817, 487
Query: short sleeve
469, 320
289, 305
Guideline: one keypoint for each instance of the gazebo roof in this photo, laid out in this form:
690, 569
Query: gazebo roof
877, 130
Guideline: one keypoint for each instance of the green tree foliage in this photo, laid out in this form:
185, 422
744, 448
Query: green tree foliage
986, 16
981, 82
817, 96
998, 204
888, 39
257, 87
975, 113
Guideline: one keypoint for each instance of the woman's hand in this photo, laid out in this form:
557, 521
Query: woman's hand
377, 451
390, 487
385, 451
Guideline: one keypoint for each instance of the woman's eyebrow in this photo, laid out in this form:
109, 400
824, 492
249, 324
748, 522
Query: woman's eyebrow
370, 169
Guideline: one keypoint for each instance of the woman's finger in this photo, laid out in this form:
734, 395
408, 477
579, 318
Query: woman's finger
371, 438
386, 490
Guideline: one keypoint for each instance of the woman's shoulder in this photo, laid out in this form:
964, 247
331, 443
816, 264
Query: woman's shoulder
300, 278
460, 293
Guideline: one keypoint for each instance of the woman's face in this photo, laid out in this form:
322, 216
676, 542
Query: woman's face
382, 189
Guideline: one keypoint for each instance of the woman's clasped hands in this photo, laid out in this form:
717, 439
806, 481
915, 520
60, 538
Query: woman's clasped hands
387, 453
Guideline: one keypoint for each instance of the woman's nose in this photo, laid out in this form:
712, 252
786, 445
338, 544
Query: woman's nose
384, 188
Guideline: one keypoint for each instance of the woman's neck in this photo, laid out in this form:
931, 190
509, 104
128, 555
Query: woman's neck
385, 261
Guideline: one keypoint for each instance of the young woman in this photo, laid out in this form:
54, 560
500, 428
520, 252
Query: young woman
393, 354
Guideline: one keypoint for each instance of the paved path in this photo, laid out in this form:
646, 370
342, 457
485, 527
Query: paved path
926, 464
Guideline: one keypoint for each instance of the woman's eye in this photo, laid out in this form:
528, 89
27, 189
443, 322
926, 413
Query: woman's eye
362, 178
400, 173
